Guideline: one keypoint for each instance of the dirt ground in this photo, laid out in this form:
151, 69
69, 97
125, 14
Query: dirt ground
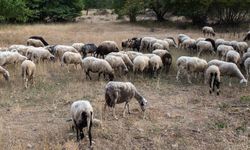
179, 115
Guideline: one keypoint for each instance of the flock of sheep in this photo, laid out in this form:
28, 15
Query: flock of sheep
146, 55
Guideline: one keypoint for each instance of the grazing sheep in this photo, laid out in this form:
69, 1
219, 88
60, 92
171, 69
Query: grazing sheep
59, 50
5, 73
82, 116
245, 56
38, 54
39, 38
88, 48
219, 42
120, 92
155, 64
105, 48
22, 49
242, 47
195, 66
135, 43
171, 42
161, 44
208, 31
28, 72
96, 65
200, 39
229, 69
124, 57
157, 46
234, 44
181, 63
188, 44
222, 50
35, 43
78, 46
125, 43
146, 43
233, 56
72, 58
213, 76
181, 38
247, 37
133, 54
166, 58
205, 46
7, 57
141, 63
117, 63
247, 67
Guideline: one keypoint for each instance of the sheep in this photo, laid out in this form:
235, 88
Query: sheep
5, 73
157, 46
133, 54
233, 56
164, 44
171, 42
146, 43
11, 58
125, 43
82, 116
247, 67
242, 47
222, 50
135, 43
218, 42
96, 65
28, 72
204, 46
106, 47
88, 48
40, 38
200, 39
124, 57
181, 65
181, 38
35, 43
213, 76
72, 58
39, 53
233, 44
22, 49
78, 46
166, 58
188, 44
247, 37
141, 63
208, 31
116, 63
229, 69
155, 64
120, 92
59, 50
195, 65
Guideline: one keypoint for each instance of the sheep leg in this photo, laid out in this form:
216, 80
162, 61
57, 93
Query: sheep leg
89, 132
115, 100
128, 108
124, 109
247, 71
178, 74
114, 113
188, 77
218, 88
87, 73
230, 83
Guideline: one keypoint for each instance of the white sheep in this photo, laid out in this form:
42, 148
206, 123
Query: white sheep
219, 42
171, 42
22, 49
82, 116
141, 63
161, 44
222, 50
247, 66
157, 46
242, 47
146, 43
166, 57
133, 54
181, 38
117, 63
120, 92
204, 46
208, 31
78, 46
213, 76
200, 39
5, 73
195, 66
188, 44
28, 72
96, 65
72, 58
125, 58
155, 64
38, 54
11, 58
181, 63
59, 50
35, 43
233, 56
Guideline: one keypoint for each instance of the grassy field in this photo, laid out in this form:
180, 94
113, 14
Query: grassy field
179, 116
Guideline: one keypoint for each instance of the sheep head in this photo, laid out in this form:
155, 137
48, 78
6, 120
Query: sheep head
143, 103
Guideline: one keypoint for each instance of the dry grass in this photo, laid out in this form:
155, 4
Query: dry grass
180, 116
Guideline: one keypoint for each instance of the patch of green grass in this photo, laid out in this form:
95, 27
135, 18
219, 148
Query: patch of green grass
245, 99
223, 106
220, 125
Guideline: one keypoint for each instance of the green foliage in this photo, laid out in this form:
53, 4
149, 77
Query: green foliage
132, 8
160, 7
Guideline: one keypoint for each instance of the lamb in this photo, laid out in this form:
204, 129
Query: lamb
247, 37
120, 92
40, 38
96, 65
72, 58
213, 76
11, 58
82, 116
59, 50
116, 63
5, 73
229, 69
222, 50
233, 56
171, 42
35, 43
141, 63
247, 66
106, 47
124, 57
28, 72
205, 46
38, 54
78, 46
155, 64
181, 38
88, 48
208, 31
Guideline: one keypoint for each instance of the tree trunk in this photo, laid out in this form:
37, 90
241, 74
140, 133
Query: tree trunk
87, 12
132, 18
160, 17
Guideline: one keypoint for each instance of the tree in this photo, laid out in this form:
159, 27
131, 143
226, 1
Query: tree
160, 7
132, 9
